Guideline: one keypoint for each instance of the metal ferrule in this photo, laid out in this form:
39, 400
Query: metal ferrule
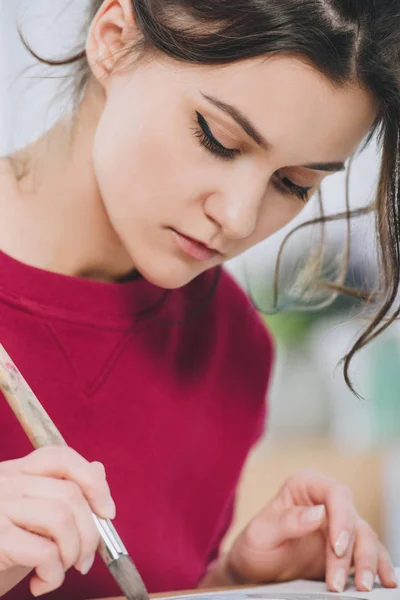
112, 542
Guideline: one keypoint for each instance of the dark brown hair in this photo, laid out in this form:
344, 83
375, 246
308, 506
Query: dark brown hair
346, 40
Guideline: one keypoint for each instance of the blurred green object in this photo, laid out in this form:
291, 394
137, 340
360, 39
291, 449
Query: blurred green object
289, 328
384, 380
292, 328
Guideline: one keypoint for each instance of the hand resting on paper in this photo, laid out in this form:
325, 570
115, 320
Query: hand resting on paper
309, 530
46, 523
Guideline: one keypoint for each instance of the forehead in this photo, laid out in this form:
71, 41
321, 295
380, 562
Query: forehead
300, 112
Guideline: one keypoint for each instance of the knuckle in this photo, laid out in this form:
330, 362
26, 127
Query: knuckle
40, 453
38, 458
5, 525
61, 516
49, 553
62, 454
366, 561
308, 474
343, 490
305, 473
296, 479
73, 492
365, 530
66, 455
368, 550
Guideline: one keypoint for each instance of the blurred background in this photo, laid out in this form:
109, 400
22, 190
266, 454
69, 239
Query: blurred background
314, 420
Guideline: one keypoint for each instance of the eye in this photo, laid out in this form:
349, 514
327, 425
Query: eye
288, 188
207, 139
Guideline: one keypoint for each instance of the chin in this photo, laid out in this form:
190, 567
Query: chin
168, 277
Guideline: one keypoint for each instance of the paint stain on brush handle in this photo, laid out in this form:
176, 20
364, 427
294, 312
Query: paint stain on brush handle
36, 423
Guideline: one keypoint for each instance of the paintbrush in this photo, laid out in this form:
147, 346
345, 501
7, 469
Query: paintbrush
41, 431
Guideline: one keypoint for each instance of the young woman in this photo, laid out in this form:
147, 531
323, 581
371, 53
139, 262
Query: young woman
200, 129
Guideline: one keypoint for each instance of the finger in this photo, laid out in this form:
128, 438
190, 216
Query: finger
338, 569
342, 518
100, 467
299, 521
65, 463
342, 522
386, 571
68, 492
366, 556
295, 522
310, 486
50, 519
19, 547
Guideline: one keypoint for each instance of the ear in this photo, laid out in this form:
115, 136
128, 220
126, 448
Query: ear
111, 31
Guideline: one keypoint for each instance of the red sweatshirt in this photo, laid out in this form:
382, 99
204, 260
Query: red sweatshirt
168, 392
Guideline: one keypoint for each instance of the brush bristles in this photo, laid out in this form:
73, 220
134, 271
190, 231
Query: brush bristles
127, 576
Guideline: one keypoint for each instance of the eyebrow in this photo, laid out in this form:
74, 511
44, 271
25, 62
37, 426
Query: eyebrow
248, 127
240, 119
330, 167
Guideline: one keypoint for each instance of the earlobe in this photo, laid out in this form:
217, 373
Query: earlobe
110, 32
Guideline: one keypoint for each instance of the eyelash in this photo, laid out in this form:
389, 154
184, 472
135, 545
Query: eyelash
208, 141
204, 134
284, 185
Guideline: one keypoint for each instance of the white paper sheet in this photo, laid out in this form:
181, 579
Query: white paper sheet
300, 590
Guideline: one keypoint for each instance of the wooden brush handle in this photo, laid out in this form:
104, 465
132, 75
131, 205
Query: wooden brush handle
34, 420
41, 431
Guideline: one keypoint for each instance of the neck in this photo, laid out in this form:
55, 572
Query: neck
53, 214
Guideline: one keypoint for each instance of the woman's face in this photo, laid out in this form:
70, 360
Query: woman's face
197, 164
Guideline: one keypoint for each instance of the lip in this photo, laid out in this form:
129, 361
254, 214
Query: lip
194, 248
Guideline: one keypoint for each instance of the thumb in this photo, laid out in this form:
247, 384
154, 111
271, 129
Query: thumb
295, 522
298, 521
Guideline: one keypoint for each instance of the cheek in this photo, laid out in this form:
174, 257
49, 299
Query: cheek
122, 165
141, 166
276, 212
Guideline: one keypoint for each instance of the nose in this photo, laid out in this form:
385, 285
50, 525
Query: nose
236, 207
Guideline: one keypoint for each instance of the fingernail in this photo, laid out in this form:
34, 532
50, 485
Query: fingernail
314, 514
392, 579
339, 581
367, 580
110, 509
87, 565
342, 544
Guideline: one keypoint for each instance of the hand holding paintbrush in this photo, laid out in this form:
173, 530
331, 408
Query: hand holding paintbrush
42, 432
